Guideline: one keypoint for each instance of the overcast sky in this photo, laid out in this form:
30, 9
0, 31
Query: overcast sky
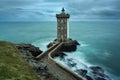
45, 10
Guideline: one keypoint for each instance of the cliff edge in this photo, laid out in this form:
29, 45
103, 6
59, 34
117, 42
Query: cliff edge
12, 64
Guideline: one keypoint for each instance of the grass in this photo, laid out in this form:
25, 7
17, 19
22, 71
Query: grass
12, 64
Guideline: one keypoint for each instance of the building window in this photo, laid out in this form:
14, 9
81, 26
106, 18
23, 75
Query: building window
65, 35
62, 21
58, 27
58, 20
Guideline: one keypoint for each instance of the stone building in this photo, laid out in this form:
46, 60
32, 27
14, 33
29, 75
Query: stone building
62, 26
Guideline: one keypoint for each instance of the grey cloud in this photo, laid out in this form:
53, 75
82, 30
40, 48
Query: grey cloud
55, 0
39, 13
95, 8
79, 9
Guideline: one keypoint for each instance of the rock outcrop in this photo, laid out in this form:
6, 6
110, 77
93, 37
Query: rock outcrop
59, 54
90, 73
68, 46
99, 73
29, 52
49, 45
35, 51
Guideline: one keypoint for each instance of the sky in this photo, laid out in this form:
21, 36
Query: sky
45, 10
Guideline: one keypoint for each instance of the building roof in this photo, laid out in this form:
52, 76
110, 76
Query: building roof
63, 14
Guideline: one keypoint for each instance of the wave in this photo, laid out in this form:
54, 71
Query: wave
41, 44
77, 61
77, 66
83, 44
78, 57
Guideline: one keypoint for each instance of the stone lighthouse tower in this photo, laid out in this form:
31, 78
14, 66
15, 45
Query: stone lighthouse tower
62, 29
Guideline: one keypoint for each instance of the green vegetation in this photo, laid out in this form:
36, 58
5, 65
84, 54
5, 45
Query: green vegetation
12, 64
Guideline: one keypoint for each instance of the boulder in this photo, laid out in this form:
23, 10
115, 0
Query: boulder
97, 69
49, 45
82, 72
99, 78
59, 54
76, 42
71, 63
99, 73
88, 77
34, 51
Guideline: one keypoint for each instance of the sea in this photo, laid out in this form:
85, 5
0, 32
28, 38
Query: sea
99, 40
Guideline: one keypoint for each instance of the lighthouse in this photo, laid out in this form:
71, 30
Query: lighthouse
62, 26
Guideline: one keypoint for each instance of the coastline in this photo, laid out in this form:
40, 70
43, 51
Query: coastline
27, 51
13, 65
45, 70
94, 42
95, 70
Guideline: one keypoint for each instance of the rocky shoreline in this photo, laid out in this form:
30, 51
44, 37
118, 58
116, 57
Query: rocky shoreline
68, 46
90, 73
29, 52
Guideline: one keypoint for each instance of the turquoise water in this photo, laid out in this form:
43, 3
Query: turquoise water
99, 40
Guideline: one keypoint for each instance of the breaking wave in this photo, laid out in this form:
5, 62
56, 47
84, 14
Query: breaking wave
77, 58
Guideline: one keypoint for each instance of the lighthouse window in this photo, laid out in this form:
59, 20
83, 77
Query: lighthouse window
61, 21
59, 35
58, 27
62, 28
